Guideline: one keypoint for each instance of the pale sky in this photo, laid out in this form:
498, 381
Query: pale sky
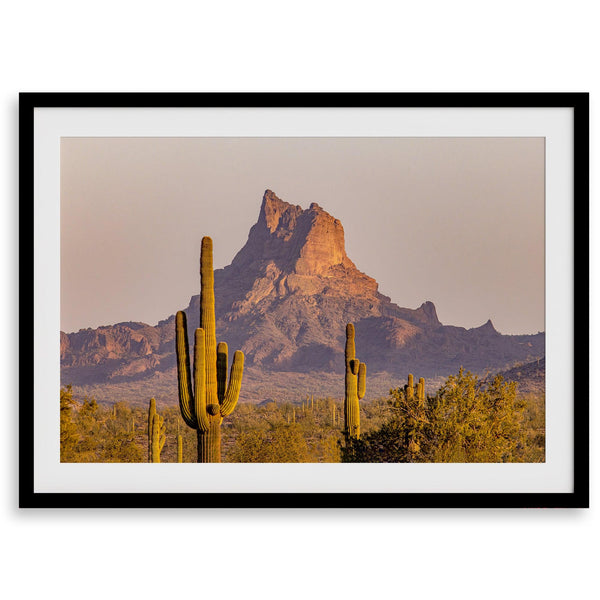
458, 221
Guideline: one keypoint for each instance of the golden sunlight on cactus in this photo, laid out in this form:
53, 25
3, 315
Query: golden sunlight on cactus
213, 396
355, 386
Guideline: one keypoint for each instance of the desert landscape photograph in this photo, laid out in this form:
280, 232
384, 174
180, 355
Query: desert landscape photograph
302, 300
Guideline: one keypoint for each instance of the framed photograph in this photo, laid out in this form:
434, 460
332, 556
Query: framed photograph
304, 300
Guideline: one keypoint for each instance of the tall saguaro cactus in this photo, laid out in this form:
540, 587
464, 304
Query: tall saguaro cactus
156, 433
355, 385
212, 396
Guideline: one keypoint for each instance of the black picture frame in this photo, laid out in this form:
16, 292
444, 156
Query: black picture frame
578, 498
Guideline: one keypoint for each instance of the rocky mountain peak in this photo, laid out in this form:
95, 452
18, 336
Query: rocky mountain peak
487, 328
297, 241
277, 216
428, 313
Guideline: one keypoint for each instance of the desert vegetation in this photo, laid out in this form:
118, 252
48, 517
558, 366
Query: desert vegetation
467, 420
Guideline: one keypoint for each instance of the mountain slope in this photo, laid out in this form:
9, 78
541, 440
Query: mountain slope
285, 300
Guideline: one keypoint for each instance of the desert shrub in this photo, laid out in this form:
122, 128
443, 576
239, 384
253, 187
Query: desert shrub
467, 420
283, 444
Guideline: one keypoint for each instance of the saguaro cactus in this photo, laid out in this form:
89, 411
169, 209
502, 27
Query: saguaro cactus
415, 421
158, 437
156, 433
151, 413
212, 397
421, 391
356, 380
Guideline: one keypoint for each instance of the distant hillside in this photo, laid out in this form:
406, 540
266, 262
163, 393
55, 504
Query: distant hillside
530, 377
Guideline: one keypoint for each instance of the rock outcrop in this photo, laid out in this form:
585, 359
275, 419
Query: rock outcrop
289, 292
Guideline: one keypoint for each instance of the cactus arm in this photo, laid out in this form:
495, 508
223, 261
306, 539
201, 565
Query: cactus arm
200, 408
362, 380
186, 396
235, 383
222, 360
207, 321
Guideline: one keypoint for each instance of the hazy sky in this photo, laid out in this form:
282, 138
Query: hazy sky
458, 221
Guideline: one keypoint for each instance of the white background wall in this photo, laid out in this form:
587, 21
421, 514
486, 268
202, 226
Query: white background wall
287, 46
